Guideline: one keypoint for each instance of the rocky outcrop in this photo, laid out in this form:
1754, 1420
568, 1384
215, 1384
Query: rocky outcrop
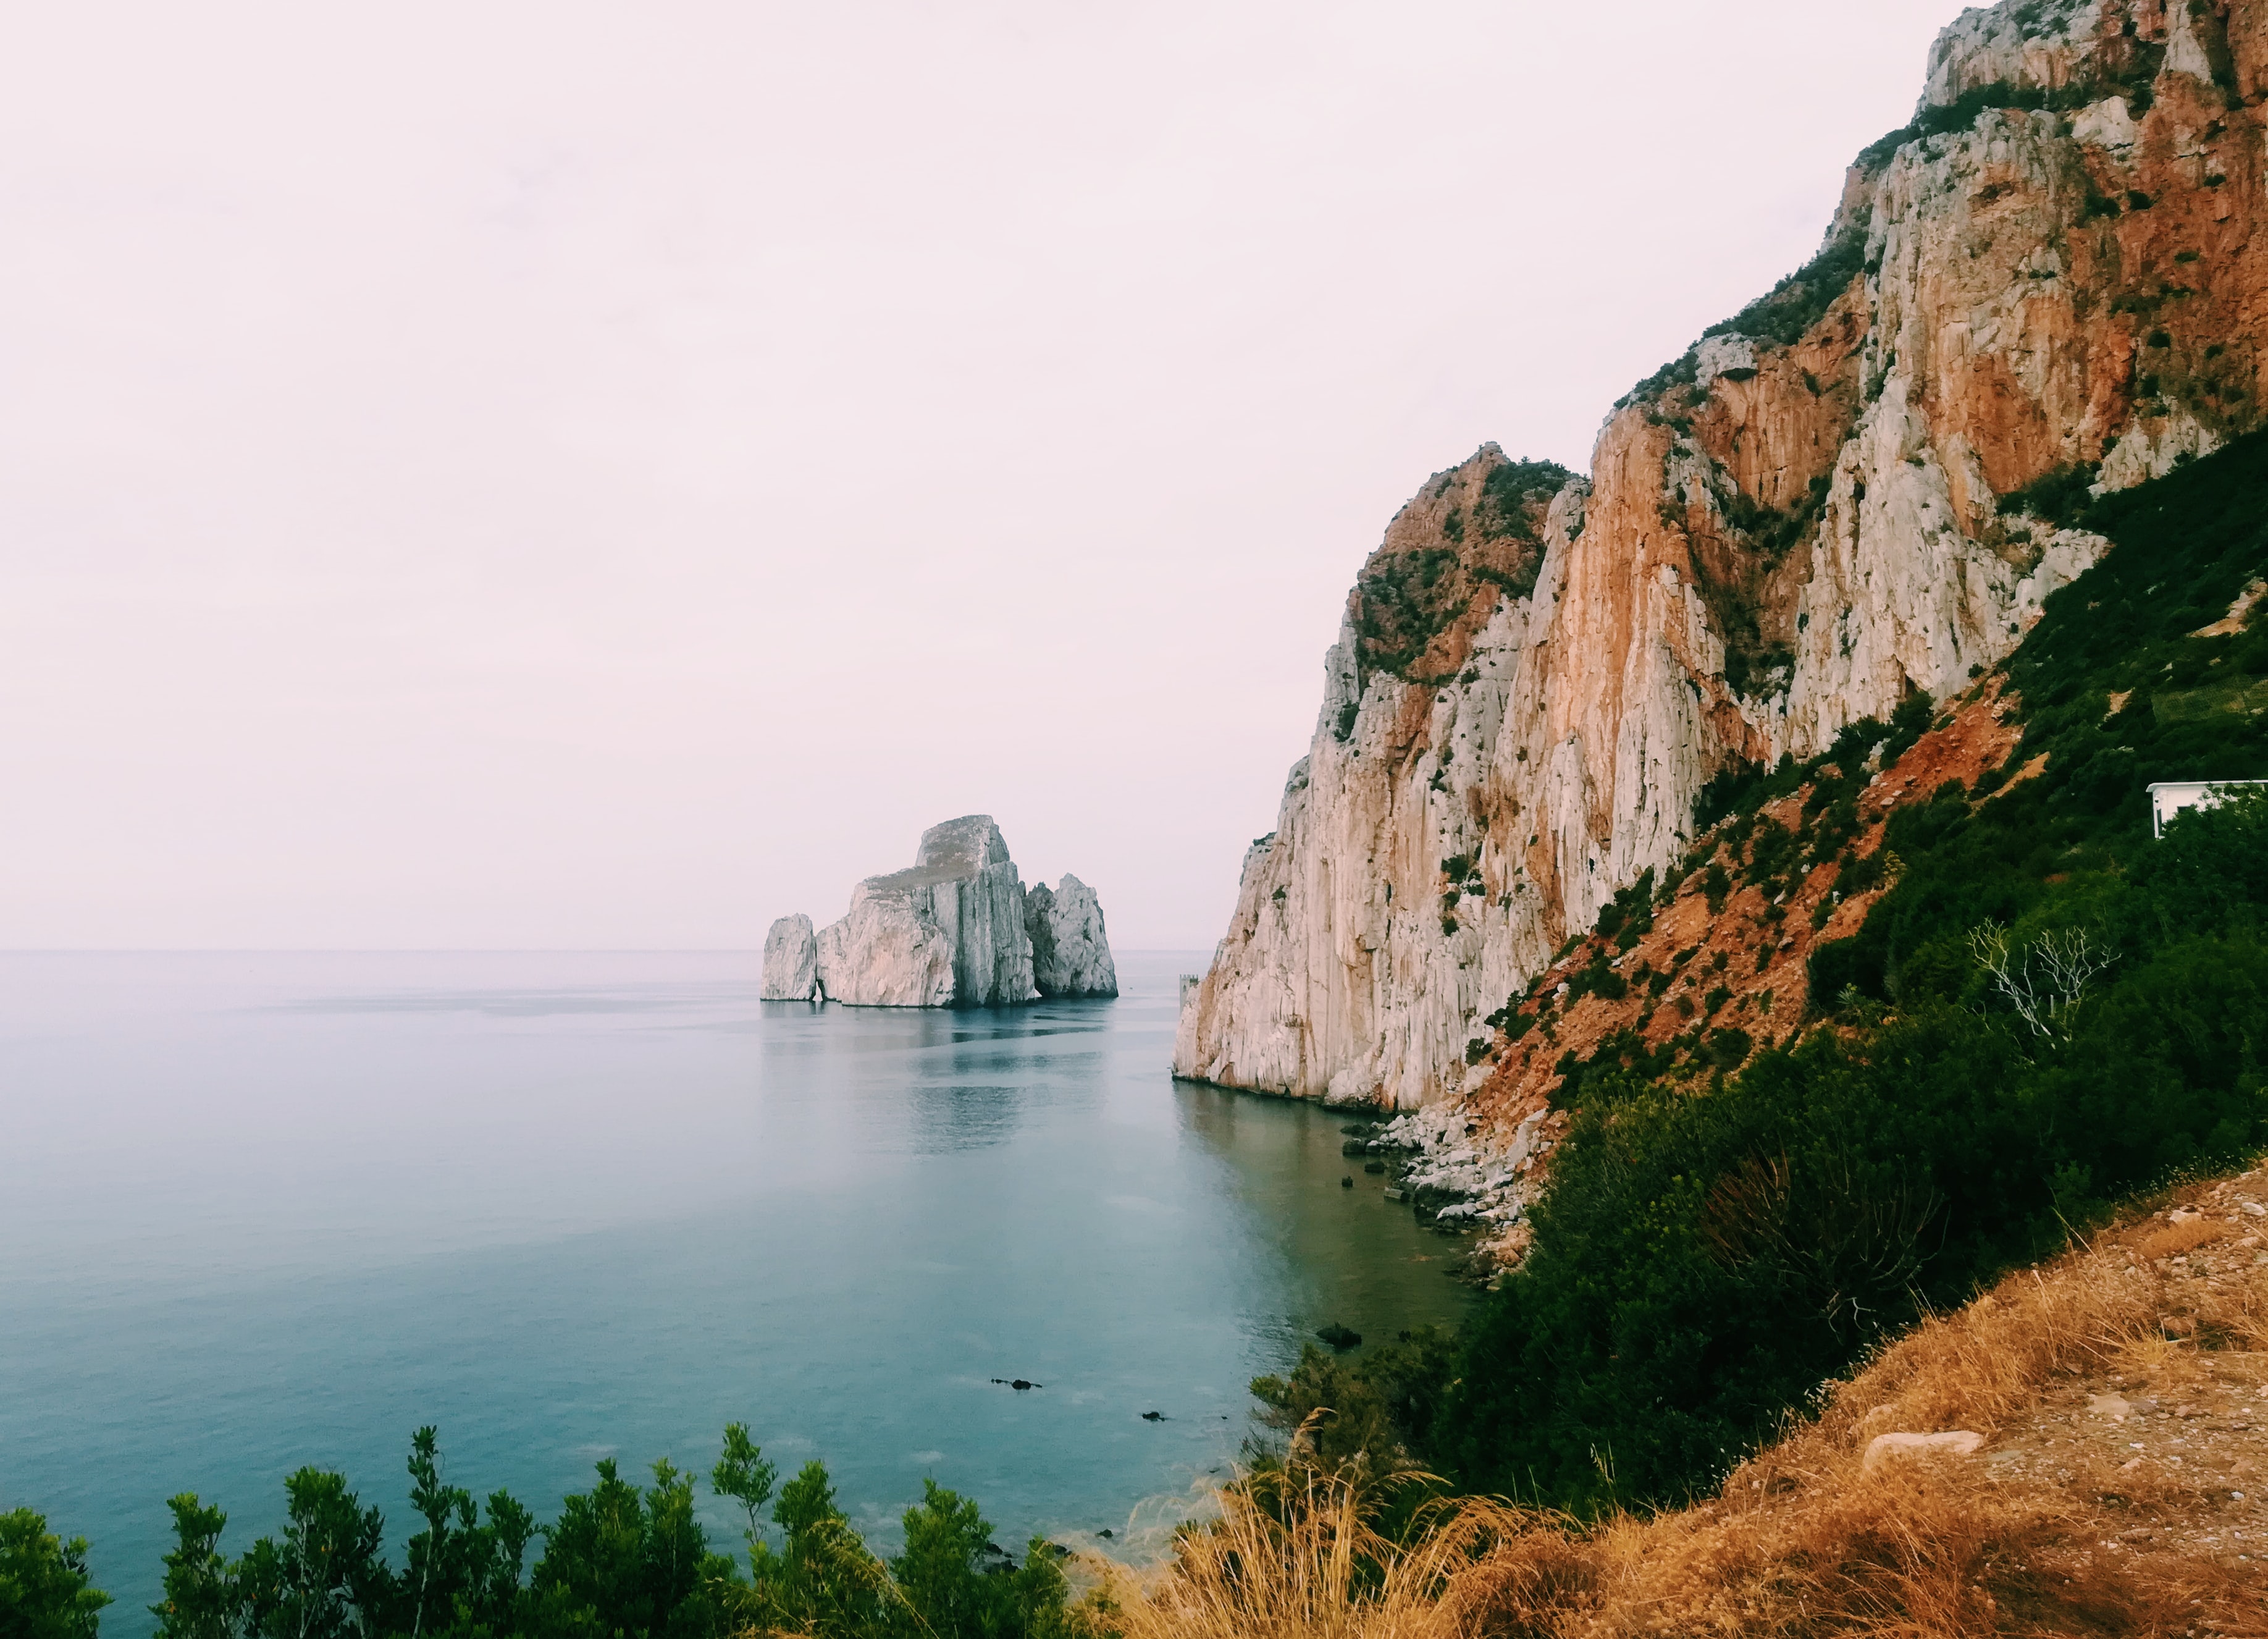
952, 931
790, 960
1070, 954
947, 933
1855, 490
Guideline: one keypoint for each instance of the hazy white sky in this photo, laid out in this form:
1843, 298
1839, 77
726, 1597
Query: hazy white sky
606, 474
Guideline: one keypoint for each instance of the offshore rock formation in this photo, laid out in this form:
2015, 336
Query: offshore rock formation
2054, 281
952, 931
790, 960
948, 933
1070, 954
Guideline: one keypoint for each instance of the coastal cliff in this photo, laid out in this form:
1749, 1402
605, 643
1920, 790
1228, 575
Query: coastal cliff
2049, 284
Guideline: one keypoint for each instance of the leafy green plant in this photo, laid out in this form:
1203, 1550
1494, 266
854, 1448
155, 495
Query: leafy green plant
46, 1591
621, 1561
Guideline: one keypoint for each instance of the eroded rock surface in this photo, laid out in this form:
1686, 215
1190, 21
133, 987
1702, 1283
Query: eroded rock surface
790, 960
947, 933
956, 930
1070, 954
2055, 280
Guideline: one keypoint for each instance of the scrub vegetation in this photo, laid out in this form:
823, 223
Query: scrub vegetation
620, 1560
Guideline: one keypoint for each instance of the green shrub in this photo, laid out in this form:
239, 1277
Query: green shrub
2058, 498
46, 1591
620, 1562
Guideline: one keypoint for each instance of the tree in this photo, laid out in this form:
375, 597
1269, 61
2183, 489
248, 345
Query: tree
461, 1572
2042, 978
201, 1596
742, 1474
325, 1579
46, 1591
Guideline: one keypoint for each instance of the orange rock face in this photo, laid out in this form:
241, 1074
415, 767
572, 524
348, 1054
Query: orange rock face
2054, 280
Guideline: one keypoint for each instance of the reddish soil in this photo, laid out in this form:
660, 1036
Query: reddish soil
1755, 952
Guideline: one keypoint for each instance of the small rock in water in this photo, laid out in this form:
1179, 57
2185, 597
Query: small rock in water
1394, 1195
1346, 1183
1153, 1416
1374, 1166
1019, 1382
1339, 1337
1105, 1531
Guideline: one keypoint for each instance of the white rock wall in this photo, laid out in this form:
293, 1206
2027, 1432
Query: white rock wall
790, 960
947, 933
1071, 952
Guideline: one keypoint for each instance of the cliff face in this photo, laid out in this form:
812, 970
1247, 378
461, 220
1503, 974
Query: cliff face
790, 960
947, 933
955, 931
1070, 953
2053, 280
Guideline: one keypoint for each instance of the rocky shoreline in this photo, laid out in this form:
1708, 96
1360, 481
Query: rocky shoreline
1462, 1178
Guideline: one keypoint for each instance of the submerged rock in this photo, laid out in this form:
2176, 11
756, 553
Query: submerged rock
947, 933
790, 960
1070, 955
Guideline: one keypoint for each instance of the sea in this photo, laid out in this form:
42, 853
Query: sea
265, 1210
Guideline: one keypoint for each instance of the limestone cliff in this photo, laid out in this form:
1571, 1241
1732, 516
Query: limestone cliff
957, 930
1070, 953
947, 933
2052, 281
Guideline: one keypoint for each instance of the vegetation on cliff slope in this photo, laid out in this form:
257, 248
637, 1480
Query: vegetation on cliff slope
1406, 598
1701, 1262
2047, 1012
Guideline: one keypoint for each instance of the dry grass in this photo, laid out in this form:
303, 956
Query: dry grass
1804, 1540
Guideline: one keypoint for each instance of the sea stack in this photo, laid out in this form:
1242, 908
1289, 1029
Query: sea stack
1071, 955
791, 960
955, 931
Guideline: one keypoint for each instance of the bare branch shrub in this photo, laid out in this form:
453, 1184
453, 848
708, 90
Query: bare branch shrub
2042, 978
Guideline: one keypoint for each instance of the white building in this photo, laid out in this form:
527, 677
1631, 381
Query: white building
2170, 797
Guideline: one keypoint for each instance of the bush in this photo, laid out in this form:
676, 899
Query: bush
2058, 497
46, 1591
621, 1562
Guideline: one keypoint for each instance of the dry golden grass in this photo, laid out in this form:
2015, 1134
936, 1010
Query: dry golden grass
1804, 1540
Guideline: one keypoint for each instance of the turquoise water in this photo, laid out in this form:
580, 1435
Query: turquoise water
258, 1211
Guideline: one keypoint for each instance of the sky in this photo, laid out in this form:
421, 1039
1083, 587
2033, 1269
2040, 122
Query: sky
519, 476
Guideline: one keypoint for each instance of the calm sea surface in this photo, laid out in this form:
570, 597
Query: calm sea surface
258, 1211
